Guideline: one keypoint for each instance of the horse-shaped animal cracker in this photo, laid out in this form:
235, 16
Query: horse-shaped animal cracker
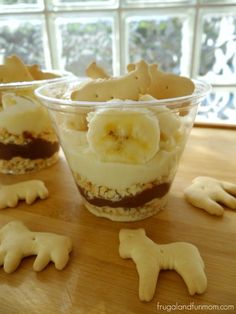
150, 258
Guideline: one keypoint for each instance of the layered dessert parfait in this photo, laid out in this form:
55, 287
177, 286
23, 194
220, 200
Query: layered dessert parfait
28, 141
124, 164
123, 137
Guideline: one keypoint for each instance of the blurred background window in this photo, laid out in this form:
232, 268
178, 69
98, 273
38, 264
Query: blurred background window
196, 38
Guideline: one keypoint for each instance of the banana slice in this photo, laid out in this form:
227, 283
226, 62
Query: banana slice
129, 136
169, 122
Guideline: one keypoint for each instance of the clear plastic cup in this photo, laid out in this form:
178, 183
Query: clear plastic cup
123, 154
28, 141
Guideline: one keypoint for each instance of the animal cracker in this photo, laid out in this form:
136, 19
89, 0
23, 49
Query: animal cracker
17, 242
29, 191
151, 257
209, 194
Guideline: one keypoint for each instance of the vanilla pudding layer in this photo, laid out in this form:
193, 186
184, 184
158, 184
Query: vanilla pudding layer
24, 116
117, 176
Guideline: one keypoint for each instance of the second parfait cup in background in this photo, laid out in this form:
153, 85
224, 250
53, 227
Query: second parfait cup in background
28, 141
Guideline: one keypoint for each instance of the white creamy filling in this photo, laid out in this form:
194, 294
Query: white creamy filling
21, 114
122, 175
115, 175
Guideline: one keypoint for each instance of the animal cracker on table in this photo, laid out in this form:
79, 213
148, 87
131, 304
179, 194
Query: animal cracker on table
208, 193
29, 191
17, 242
151, 257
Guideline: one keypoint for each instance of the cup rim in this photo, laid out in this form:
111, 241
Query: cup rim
22, 84
200, 92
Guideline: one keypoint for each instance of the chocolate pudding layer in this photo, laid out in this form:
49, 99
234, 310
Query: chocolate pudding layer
27, 152
137, 200
36, 148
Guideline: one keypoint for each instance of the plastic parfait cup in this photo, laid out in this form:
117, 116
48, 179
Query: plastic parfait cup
28, 141
123, 154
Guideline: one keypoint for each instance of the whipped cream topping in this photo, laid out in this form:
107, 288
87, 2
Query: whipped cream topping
20, 114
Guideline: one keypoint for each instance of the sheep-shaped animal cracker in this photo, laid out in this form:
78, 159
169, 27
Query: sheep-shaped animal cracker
17, 242
10, 195
150, 258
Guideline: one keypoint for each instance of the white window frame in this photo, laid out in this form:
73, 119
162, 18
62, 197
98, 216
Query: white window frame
120, 10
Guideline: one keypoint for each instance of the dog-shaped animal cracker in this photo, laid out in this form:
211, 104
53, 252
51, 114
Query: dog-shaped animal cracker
128, 86
150, 258
17, 242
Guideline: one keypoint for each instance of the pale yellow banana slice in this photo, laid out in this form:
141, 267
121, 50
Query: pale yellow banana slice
123, 135
169, 121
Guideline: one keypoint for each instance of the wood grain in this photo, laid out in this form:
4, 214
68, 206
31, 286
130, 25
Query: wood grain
97, 280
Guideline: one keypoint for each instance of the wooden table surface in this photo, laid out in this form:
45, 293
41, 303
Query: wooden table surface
96, 280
